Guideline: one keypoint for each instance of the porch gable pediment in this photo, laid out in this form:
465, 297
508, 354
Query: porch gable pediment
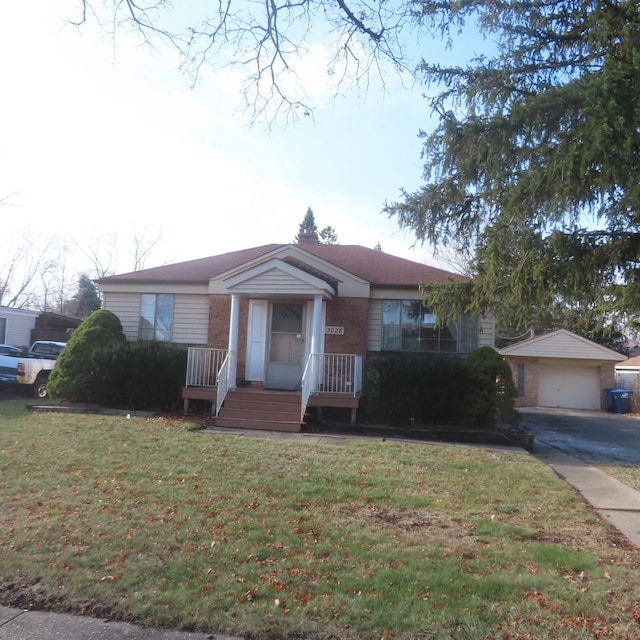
315, 272
273, 277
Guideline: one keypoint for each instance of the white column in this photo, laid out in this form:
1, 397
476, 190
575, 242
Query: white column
316, 328
316, 341
234, 325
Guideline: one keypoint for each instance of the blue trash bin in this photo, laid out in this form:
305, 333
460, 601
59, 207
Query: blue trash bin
609, 399
621, 400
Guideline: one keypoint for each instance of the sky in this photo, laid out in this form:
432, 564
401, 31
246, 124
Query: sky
98, 139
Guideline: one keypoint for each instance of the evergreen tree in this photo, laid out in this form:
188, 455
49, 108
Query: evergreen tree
328, 235
86, 300
308, 230
536, 158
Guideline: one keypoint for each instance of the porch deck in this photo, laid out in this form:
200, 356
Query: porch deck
329, 380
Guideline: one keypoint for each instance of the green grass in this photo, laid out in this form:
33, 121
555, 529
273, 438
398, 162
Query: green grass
149, 521
627, 474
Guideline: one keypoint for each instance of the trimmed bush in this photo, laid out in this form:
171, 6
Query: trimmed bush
408, 388
74, 376
142, 375
99, 366
424, 389
492, 392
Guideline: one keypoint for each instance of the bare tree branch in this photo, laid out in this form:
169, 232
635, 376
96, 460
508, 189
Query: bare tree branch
268, 41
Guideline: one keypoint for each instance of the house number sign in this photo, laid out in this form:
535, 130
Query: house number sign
334, 331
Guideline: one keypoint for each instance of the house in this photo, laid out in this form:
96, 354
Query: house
628, 374
16, 326
562, 369
286, 324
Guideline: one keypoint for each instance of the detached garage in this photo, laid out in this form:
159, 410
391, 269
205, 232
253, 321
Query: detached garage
562, 369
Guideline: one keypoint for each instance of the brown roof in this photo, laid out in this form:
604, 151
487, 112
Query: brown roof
378, 267
375, 267
200, 270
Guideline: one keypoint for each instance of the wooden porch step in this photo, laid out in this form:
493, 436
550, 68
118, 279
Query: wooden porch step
261, 409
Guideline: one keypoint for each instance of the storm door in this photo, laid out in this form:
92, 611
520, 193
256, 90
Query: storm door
286, 348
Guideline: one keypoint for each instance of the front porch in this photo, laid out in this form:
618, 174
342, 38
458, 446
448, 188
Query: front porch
328, 380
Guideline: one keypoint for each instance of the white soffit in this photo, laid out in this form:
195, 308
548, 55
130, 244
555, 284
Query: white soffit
561, 344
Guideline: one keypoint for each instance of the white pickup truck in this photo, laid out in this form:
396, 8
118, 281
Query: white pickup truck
30, 371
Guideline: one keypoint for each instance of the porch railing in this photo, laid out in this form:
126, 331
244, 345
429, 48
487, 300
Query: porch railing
338, 373
203, 365
222, 382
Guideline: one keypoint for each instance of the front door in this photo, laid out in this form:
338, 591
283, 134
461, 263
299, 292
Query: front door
286, 349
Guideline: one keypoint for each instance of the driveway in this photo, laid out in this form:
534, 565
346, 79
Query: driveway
589, 435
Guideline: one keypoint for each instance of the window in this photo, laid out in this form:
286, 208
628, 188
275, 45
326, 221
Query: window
408, 326
156, 317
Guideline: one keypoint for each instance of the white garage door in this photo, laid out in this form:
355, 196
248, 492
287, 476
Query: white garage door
569, 386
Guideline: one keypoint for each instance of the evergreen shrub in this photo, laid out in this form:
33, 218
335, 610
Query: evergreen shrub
415, 388
100, 366
142, 375
405, 389
492, 392
74, 376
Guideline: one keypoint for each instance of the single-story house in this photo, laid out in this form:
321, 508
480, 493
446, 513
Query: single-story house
628, 374
285, 323
562, 369
16, 326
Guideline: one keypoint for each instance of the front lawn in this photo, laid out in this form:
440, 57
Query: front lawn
148, 521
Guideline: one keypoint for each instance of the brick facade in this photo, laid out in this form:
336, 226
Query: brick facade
350, 313
525, 377
353, 315
219, 317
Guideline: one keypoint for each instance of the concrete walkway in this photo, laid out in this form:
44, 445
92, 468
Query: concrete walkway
17, 624
616, 502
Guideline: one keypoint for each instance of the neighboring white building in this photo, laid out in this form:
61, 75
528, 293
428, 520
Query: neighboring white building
628, 374
16, 326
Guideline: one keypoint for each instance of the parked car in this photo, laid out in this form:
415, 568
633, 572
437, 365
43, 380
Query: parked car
9, 350
30, 371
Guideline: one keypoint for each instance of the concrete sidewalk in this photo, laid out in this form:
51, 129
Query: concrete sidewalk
18, 624
614, 501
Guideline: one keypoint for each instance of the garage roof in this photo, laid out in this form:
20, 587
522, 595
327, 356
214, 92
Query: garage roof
562, 344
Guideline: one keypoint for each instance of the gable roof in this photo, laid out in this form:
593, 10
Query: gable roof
375, 267
631, 362
561, 344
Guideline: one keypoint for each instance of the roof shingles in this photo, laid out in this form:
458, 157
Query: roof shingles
376, 267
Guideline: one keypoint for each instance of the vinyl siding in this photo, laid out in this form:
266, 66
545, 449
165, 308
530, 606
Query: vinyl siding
127, 307
487, 335
274, 282
190, 319
19, 326
375, 326
564, 343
